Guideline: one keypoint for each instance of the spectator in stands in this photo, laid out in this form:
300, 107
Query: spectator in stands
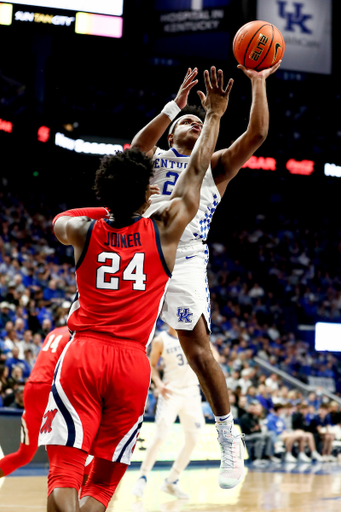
5, 313
27, 339
334, 416
62, 314
3, 380
233, 381
52, 294
46, 327
15, 360
233, 407
294, 397
272, 382
320, 427
19, 327
29, 358
241, 405
245, 382
314, 400
11, 342
5, 330
300, 423
264, 397
261, 442
18, 402
36, 344
283, 394
251, 394
16, 376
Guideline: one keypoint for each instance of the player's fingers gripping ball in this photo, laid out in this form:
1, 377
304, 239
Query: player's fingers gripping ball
258, 45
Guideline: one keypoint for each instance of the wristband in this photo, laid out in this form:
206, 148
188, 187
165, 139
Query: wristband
171, 110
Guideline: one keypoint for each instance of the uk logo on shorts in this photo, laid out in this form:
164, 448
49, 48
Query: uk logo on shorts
184, 315
49, 417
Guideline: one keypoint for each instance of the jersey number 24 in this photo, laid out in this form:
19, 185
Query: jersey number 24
134, 271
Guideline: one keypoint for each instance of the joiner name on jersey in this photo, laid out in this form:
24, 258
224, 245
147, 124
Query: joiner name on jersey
120, 240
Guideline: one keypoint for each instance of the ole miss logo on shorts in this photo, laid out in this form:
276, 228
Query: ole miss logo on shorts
49, 416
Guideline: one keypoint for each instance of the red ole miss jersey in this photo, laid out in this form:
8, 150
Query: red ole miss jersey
121, 279
49, 354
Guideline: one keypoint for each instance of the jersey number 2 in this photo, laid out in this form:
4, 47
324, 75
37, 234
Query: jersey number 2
170, 183
134, 271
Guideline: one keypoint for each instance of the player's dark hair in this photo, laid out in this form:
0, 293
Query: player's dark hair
193, 110
122, 180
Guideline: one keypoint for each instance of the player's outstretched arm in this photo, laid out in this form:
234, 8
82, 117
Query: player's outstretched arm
184, 201
227, 162
145, 140
71, 226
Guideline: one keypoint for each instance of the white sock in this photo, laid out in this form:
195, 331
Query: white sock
224, 419
173, 475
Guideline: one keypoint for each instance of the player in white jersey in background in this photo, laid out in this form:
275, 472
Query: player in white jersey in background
179, 395
187, 302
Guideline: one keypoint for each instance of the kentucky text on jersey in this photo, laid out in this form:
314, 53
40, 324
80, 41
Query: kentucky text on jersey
119, 240
169, 164
173, 349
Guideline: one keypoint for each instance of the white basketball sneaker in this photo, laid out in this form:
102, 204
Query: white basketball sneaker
139, 487
289, 457
232, 456
303, 457
174, 489
316, 456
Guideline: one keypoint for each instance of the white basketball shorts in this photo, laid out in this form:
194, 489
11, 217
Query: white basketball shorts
186, 404
188, 295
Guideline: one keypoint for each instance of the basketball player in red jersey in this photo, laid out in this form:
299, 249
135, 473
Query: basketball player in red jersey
36, 395
123, 266
187, 302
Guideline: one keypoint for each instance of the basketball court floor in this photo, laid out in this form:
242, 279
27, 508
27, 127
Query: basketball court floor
287, 488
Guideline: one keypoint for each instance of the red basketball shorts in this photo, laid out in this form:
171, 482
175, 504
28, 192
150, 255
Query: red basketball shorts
36, 396
98, 397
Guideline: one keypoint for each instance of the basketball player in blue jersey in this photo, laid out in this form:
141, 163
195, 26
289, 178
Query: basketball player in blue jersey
187, 303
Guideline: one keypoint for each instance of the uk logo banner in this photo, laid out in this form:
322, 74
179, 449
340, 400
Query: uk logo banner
306, 28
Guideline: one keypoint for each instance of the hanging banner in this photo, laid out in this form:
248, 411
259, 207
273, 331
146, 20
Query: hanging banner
306, 28
192, 28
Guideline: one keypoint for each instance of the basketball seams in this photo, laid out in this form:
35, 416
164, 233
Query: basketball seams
236, 37
267, 53
254, 35
283, 44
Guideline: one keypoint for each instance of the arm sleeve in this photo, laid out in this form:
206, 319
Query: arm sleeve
94, 213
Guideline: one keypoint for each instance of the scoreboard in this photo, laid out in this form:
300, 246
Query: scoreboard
110, 7
101, 18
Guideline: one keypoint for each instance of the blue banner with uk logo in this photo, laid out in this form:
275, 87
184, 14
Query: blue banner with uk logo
306, 28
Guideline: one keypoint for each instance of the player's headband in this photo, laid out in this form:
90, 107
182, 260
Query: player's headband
173, 125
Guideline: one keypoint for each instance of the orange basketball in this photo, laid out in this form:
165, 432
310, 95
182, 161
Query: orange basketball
258, 45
